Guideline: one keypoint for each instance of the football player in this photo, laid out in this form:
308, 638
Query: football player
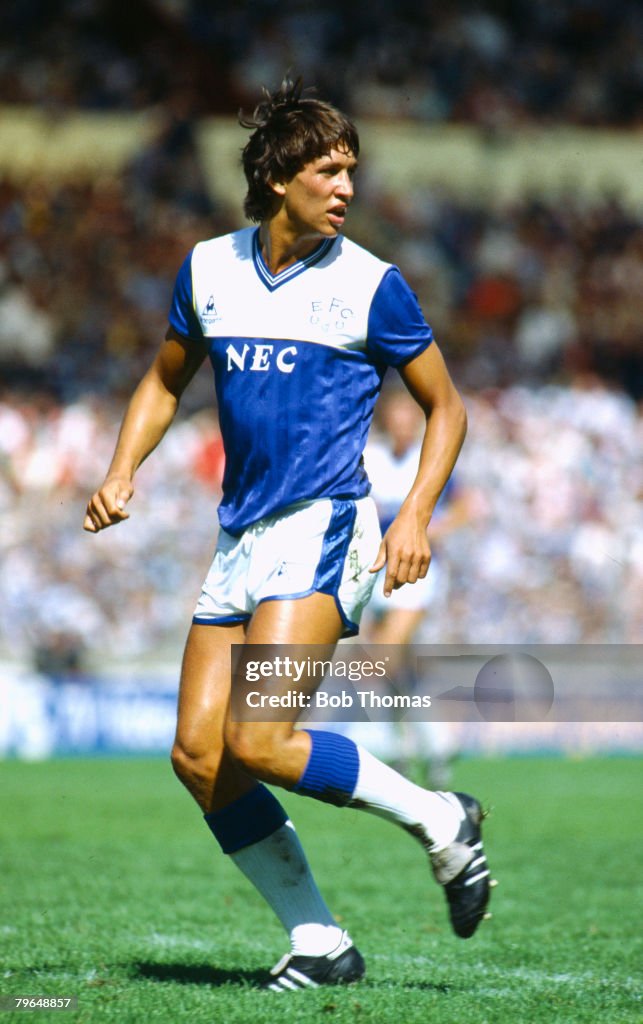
300, 325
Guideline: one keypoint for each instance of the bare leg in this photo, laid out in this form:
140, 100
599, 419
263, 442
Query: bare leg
341, 773
428, 742
397, 627
269, 852
274, 751
198, 756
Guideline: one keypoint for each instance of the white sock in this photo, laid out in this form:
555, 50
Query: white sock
432, 817
278, 869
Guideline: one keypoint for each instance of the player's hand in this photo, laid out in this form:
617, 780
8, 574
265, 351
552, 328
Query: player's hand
107, 506
405, 552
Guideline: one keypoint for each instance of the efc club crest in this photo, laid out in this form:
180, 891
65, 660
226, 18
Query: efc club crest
210, 315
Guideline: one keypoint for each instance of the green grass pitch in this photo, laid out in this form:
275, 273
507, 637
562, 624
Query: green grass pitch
113, 890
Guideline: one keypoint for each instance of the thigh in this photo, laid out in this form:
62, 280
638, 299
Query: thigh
314, 619
204, 696
279, 752
204, 691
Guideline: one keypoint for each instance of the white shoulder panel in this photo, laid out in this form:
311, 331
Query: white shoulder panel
326, 303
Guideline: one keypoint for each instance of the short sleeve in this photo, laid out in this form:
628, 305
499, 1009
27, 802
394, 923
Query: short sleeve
397, 330
182, 315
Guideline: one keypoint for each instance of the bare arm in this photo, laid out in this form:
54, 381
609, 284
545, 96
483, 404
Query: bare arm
149, 414
405, 546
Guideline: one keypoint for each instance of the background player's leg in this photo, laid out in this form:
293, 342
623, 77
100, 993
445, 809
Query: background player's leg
396, 628
423, 748
245, 818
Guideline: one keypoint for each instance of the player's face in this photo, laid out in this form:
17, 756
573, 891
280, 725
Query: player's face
402, 419
317, 198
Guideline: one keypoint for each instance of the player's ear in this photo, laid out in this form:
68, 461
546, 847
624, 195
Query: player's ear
278, 187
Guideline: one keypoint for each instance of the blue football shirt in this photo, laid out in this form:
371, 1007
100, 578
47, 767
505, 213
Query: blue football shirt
298, 361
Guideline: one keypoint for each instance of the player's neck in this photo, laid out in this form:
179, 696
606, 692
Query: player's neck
280, 249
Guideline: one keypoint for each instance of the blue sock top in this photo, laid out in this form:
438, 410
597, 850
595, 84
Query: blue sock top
248, 820
332, 769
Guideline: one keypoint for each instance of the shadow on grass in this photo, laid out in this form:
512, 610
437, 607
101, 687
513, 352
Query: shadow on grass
215, 977
186, 974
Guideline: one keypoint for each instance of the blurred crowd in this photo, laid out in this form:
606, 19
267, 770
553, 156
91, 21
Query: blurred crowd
528, 291
520, 297
533, 290
535, 303
492, 63
552, 551
122, 594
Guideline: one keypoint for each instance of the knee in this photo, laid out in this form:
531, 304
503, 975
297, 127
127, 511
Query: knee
256, 757
194, 767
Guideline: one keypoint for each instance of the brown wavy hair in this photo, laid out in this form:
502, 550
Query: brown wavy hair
289, 129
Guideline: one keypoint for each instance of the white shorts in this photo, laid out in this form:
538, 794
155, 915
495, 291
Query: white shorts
325, 546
